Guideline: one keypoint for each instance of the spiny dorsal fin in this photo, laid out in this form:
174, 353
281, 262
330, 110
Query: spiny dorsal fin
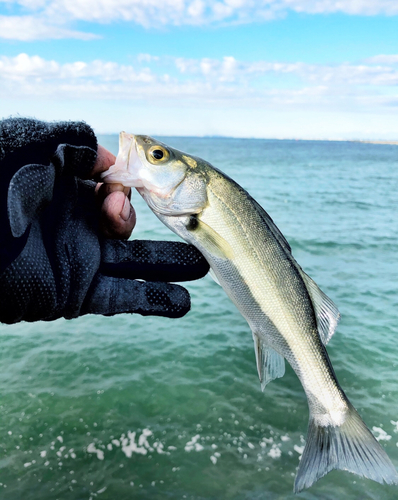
326, 312
270, 364
272, 226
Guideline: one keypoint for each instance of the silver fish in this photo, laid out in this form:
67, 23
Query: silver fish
289, 316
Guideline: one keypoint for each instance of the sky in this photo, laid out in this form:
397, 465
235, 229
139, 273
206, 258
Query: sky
322, 69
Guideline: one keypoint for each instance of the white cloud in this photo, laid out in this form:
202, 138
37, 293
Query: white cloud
145, 12
229, 69
44, 17
390, 59
150, 12
358, 7
196, 9
204, 82
26, 28
148, 58
25, 67
36, 71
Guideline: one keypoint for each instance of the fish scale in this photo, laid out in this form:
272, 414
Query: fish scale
252, 270
290, 317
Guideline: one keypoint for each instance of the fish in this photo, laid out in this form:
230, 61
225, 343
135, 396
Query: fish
289, 316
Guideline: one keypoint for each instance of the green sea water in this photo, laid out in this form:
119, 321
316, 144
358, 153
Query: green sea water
150, 408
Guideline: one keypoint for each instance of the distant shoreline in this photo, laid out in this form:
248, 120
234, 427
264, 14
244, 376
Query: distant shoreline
379, 142
361, 141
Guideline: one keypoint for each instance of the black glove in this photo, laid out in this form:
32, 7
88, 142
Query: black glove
53, 261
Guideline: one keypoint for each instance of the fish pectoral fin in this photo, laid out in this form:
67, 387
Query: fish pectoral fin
209, 238
213, 275
326, 312
270, 364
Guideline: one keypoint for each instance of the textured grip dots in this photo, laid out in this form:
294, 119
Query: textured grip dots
109, 295
156, 297
168, 300
27, 287
152, 260
53, 260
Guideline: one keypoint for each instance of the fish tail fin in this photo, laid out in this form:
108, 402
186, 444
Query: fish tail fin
350, 446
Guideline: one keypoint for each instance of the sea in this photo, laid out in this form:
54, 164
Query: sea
130, 407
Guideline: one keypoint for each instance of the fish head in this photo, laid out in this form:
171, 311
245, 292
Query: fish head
169, 180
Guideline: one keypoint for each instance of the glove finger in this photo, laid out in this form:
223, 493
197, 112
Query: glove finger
152, 260
109, 296
74, 160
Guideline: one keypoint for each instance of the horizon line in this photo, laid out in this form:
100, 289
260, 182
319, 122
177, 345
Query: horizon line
317, 139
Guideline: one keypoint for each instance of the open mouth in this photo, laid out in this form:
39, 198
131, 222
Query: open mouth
126, 168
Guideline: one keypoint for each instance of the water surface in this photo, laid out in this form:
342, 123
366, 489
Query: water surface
151, 408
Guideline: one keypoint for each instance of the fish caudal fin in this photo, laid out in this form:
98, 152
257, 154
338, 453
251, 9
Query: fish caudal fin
351, 447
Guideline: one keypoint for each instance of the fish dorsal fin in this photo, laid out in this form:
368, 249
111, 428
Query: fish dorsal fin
209, 238
326, 312
270, 364
272, 226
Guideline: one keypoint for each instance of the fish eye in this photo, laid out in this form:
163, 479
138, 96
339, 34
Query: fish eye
158, 153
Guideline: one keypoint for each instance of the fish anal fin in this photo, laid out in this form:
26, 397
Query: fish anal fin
270, 364
326, 312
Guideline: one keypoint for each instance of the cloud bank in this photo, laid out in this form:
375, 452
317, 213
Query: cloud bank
51, 19
215, 82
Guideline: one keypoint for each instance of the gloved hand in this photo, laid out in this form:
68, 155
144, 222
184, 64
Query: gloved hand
60, 265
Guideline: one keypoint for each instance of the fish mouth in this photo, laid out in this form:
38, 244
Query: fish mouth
134, 164
126, 169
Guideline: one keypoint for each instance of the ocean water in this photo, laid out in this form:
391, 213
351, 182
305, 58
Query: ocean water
151, 408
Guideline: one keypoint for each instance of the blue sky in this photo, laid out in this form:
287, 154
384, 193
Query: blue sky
243, 68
